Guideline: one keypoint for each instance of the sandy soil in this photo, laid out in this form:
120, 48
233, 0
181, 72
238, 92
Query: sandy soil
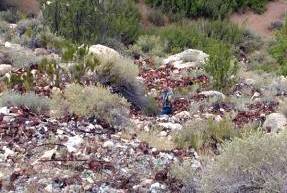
261, 23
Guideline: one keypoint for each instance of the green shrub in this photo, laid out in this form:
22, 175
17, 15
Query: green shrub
220, 30
156, 18
192, 135
256, 163
152, 108
4, 27
201, 35
90, 21
10, 16
30, 100
206, 8
222, 130
90, 101
22, 58
149, 44
120, 74
222, 67
197, 134
279, 49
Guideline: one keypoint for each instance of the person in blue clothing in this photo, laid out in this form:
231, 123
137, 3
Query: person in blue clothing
166, 96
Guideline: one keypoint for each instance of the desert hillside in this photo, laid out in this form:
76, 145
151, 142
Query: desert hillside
143, 96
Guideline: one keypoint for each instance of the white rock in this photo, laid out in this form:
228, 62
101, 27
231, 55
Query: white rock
183, 115
157, 187
49, 188
187, 59
12, 25
5, 68
163, 118
196, 164
48, 154
41, 51
218, 118
163, 134
10, 45
4, 110
275, 122
146, 128
8, 118
7, 152
213, 93
171, 126
73, 143
100, 50
108, 144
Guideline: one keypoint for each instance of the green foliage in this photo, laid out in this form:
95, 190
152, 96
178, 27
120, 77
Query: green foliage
4, 27
82, 62
93, 21
256, 163
279, 49
22, 58
222, 67
220, 30
222, 130
152, 108
25, 80
10, 16
156, 18
197, 134
202, 34
192, 135
52, 70
90, 101
30, 100
216, 9
149, 44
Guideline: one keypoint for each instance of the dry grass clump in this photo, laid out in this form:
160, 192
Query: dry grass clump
256, 163
154, 140
199, 133
30, 100
90, 101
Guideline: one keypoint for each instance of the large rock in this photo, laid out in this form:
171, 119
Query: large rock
5, 68
187, 59
11, 45
274, 122
102, 51
213, 93
4, 58
171, 126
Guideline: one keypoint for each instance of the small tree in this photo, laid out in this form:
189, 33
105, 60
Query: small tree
221, 66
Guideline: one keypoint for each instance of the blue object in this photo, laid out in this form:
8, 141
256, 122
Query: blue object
166, 103
166, 111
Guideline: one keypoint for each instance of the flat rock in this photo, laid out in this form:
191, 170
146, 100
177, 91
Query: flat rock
171, 126
5, 68
187, 59
102, 51
274, 122
213, 93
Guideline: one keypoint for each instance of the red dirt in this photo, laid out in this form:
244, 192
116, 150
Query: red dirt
260, 24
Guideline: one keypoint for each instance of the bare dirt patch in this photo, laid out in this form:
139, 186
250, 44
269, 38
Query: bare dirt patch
260, 24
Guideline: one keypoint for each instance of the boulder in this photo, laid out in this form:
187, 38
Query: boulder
11, 45
41, 52
187, 59
274, 122
171, 126
5, 68
4, 58
213, 93
183, 115
102, 51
